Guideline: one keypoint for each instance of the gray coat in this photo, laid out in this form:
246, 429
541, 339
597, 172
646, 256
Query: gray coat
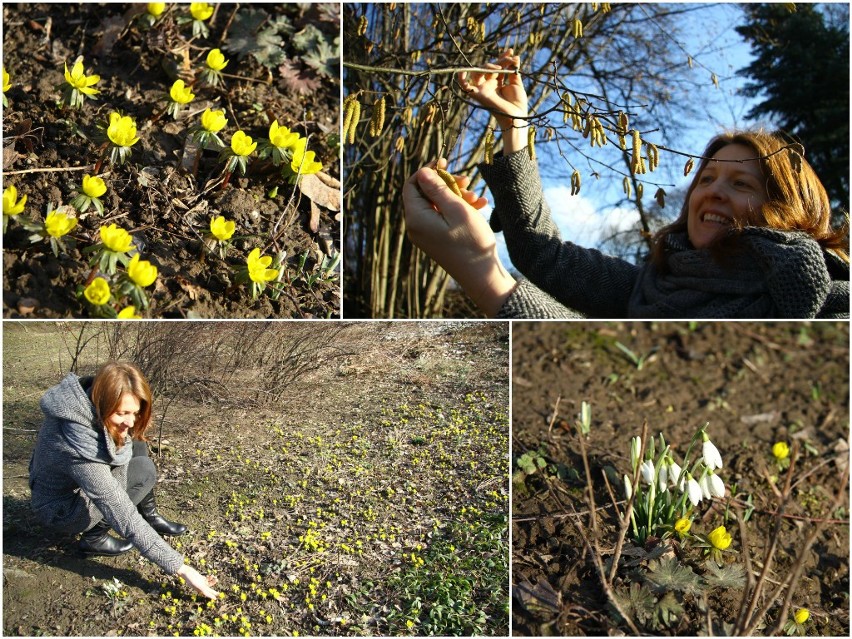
778, 274
78, 476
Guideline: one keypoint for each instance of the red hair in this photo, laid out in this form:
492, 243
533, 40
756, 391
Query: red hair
112, 381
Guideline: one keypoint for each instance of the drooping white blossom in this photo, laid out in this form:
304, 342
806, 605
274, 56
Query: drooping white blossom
647, 471
712, 458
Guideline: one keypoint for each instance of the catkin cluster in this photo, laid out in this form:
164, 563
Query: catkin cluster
377, 120
449, 180
575, 182
578, 28
595, 129
351, 116
362, 25
531, 143
489, 146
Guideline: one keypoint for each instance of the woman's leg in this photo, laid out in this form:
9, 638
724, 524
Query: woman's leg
141, 477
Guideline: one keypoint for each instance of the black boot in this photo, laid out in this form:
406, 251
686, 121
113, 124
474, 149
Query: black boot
98, 541
148, 509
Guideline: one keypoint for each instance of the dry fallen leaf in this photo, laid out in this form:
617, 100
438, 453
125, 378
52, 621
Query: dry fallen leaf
322, 189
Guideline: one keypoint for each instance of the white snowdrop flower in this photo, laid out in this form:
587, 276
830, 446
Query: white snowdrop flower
693, 491
717, 486
712, 458
628, 487
662, 476
704, 483
674, 473
647, 471
635, 449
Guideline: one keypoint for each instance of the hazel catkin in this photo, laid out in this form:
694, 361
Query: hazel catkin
449, 180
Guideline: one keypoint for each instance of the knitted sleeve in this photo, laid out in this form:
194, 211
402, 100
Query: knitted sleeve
529, 302
108, 493
594, 284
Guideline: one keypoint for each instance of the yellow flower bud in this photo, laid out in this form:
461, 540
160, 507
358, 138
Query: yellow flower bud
116, 239
282, 137
129, 312
780, 450
58, 224
11, 204
720, 538
7, 81
802, 615
180, 93
683, 525
213, 121
242, 144
216, 60
93, 186
258, 267
121, 130
79, 80
200, 10
142, 272
97, 292
303, 160
156, 8
221, 228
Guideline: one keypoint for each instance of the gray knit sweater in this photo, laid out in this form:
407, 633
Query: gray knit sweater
78, 476
777, 275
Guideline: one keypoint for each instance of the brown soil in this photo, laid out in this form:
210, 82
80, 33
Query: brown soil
755, 384
166, 208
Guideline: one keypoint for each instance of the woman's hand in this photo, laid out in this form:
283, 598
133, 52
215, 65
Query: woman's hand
452, 232
199, 582
502, 94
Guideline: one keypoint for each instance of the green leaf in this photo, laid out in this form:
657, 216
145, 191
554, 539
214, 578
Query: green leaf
731, 576
637, 602
668, 610
668, 574
243, 34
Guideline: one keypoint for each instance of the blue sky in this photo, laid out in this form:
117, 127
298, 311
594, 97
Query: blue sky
586, 218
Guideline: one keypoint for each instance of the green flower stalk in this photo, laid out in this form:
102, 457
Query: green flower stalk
78, 86
12, 206
204, 132
114, 247
242, 146
215, 63
281, 144
93, 188
179, 95
140, 275
7, 84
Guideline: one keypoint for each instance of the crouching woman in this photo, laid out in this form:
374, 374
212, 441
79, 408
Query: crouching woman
90, 470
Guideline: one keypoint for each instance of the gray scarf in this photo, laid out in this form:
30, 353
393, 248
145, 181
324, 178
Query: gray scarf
779, 274
69, 406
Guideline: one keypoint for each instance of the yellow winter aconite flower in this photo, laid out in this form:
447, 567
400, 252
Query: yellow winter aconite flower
180, 93
213, 121
58, 224
802, 615
116, 239
780, 450
93, 186
200, 10
97, 292
128, 312
281, 136
79, 80
122, 130
142, 272
242, 144
303, 161
155, 9
221, 228
683, 525
11, 204
720, 538
7, 81
216, 60
258, 267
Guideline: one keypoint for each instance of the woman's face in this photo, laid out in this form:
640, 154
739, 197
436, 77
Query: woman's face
724, 191
125, 415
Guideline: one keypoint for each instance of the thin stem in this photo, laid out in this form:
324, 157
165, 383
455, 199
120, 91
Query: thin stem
423, 74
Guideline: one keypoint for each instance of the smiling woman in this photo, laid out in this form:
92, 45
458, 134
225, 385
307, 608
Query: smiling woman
753, 240
90, 470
